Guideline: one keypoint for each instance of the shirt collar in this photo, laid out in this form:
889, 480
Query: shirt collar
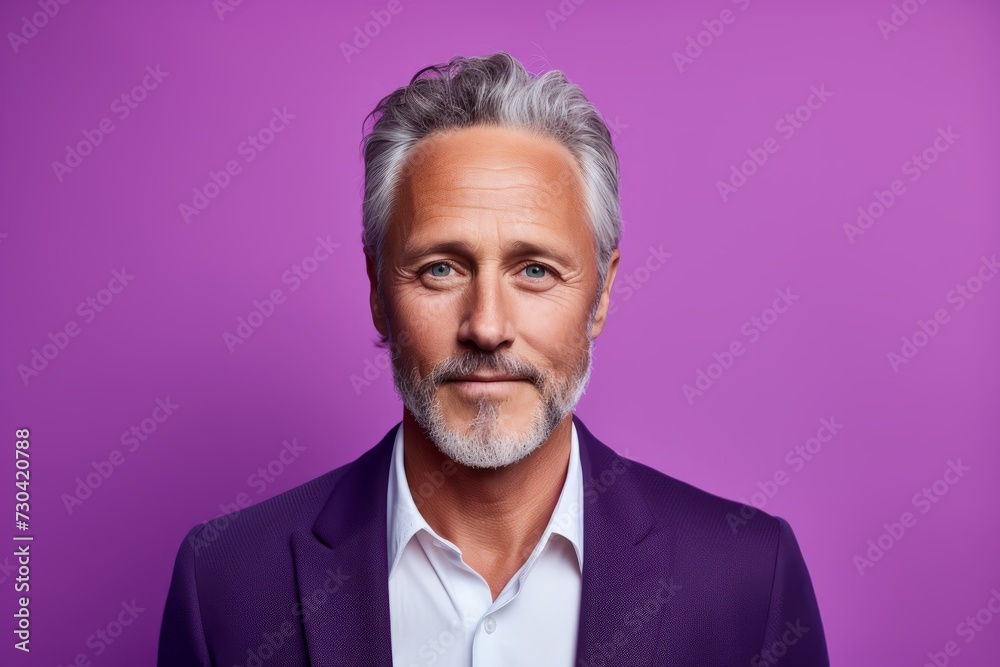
405, 520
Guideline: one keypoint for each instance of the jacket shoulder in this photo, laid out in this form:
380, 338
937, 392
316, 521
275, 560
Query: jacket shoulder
265, 526
680, 506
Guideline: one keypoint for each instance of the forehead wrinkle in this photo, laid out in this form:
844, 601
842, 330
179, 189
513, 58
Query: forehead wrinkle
512, 178
552, 164
426, 242
522, 199
482, 183
531, 170
461, 163
492, 200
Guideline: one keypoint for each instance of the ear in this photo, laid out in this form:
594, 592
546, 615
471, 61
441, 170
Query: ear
602, 309
378, 315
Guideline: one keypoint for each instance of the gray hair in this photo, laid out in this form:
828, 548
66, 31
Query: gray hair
492, 90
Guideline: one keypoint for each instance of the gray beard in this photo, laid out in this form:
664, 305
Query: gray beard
483, 443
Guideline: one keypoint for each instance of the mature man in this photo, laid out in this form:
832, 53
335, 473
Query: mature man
490, 527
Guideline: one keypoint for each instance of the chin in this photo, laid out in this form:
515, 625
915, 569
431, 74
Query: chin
488, 440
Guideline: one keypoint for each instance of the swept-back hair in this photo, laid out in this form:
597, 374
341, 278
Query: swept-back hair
491, 90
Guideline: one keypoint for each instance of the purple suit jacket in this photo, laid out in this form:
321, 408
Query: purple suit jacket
672, 576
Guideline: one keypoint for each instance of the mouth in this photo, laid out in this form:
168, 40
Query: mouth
487, 385
489, 378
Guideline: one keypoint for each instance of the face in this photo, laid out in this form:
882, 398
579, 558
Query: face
489, 292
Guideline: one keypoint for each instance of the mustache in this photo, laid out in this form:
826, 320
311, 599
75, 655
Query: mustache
495, 362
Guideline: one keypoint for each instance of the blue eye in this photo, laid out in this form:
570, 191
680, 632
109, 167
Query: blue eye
535, 271
440, 265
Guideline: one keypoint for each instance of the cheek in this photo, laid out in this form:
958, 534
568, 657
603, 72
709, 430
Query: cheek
419, 314
425, 328
557, 334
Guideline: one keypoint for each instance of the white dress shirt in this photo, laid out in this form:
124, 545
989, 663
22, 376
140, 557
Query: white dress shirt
442, 611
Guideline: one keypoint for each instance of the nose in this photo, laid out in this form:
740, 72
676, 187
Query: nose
486, 322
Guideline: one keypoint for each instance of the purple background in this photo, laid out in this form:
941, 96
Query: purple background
679, 131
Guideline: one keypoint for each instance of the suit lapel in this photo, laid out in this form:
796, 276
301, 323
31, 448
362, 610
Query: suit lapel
342, 565
624, 588
341, 568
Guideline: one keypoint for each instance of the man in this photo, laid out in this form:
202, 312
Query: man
490, 527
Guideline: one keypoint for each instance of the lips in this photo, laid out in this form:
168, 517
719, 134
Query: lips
488, 378
496, 387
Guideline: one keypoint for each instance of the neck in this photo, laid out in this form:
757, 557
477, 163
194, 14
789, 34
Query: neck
495, 516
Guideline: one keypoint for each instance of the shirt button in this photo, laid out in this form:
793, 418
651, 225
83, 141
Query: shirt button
490, 625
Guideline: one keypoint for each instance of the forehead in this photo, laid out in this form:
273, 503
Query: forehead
490, 174
489, 147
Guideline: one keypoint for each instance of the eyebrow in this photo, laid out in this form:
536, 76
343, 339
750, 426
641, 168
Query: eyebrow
515, 248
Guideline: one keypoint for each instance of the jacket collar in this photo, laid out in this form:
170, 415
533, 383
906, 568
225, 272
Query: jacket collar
405, 520
342, 564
